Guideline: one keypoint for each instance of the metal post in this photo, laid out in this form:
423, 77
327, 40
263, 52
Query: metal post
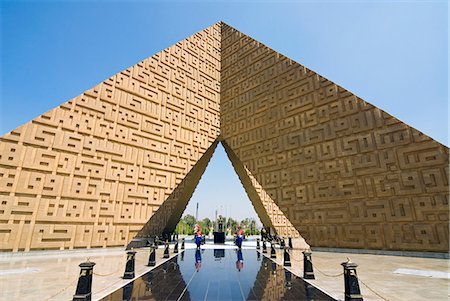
308, 272
264, 247
84, 286
290, 243
182, 244
282, 244
273, 253
152, 256
352, 291
257, 243
175, 249
287, 258
129, 266
166, 250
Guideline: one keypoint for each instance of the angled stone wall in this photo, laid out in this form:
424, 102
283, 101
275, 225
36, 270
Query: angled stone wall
310, 154
345, 173
268, 212
91, 172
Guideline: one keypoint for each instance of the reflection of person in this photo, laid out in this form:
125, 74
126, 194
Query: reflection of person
198, 260
198, 236
240, 260
239, 237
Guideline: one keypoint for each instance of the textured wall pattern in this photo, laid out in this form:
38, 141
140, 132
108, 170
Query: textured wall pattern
345, 173
268, 212
92, 171
280, 223
169, 213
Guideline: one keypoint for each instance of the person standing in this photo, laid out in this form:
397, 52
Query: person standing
239, 237
198, 236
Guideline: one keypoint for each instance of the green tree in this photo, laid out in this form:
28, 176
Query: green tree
189, 220
207, 222
183, 228
232, 224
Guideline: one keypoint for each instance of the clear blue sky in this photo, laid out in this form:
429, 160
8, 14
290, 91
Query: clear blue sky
392, 54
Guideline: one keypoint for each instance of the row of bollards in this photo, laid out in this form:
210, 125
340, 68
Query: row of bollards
352, 290
84, 287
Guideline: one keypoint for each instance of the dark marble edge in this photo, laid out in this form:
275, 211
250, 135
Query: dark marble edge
142, 274
306, 280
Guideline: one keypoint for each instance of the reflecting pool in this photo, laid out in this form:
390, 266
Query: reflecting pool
219, 274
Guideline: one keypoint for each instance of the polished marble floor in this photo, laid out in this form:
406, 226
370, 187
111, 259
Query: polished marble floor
219, 274
52, 275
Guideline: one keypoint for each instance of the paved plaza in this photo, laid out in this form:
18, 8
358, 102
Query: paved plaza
52, 275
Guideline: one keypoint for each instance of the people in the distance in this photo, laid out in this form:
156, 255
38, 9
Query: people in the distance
240, 260
239, 237
198, 236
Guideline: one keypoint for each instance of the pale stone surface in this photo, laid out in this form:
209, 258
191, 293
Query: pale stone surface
54, 275
378, 272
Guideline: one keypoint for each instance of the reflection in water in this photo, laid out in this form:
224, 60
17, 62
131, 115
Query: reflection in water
310, 291
158, 284
127, 291
198, 260
288, 279
240, 260
219, 253
277, 283
261, 280
274, 268
148, 279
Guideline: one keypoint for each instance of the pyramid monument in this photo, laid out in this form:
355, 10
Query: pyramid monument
121, 161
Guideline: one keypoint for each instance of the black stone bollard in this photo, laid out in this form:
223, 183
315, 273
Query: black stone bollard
264, 247
175, 249
290, 243
273, 253
182, 256
166, 250
352, 291
182, 244
152, 256
282, 244
129, 266
308, 272
84, 286
287, 258
257, 244
258, 256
